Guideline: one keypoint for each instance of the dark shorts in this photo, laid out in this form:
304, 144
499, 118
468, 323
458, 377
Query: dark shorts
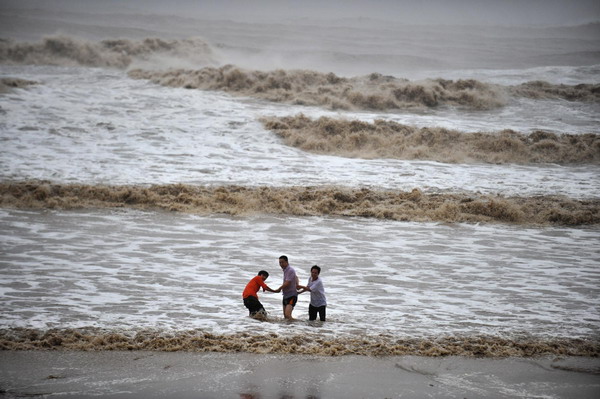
253, 304
290, 301
312, 312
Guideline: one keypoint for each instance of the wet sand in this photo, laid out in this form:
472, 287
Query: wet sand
145, 374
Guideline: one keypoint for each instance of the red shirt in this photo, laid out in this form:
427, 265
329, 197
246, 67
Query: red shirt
253, 286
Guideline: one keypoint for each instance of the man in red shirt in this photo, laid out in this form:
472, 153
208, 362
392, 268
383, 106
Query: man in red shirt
250, 294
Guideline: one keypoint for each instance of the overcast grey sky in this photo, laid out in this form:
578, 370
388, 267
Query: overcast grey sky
505, 12
502, 12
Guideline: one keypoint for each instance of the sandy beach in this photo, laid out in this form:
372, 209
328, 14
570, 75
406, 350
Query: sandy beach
145, 374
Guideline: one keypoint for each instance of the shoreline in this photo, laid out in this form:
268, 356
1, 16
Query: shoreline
150, 374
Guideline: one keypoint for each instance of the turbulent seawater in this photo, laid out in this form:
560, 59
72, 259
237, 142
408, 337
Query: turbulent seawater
90, 125
155, 269
95, 112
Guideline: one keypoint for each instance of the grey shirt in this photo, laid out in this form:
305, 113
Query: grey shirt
289, 274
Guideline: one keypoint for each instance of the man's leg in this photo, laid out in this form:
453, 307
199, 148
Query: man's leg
312, 313
322, 312
253, 305
248, 305
288, 307
287, 312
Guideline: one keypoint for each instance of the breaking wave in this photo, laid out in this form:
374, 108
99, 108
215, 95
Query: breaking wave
387, 139
309, 344
161, 61
308, 201
116, 53
304, 87
6, 84
544, 90
372, 92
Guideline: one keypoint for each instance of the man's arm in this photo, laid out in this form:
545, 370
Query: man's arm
302, 289
267, 288
285, 285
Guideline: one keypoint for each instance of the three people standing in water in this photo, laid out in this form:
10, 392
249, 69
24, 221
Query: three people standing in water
290, 289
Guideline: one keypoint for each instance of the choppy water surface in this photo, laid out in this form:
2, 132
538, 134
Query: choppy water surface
136, 270
98, 126
124, 270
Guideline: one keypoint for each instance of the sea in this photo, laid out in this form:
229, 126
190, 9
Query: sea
97, 276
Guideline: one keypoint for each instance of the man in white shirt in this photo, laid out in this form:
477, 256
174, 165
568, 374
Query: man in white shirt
318, 302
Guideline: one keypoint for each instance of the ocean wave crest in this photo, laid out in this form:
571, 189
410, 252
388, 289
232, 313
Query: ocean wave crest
543, 90
192, 63
388, 139
305, 87
7, 84
308, 201
372, 92
92, 339
114, 53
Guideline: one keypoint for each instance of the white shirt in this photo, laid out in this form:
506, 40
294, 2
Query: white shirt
317, 292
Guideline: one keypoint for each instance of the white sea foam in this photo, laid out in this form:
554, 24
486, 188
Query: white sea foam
109, 129
127, 269
131, 270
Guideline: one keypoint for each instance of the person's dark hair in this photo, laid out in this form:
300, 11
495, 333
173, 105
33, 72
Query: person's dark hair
283, 257
317, 268
263, 273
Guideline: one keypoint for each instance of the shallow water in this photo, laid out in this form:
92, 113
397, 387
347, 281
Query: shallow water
134, 270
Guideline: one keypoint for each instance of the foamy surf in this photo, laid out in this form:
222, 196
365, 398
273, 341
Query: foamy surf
301, 344
373, 92
308, 201
221, 142
137, 200
387, 139
121, 269
111, 53
7, 84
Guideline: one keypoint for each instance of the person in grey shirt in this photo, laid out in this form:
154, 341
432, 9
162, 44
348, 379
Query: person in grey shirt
289, 288
318, 302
